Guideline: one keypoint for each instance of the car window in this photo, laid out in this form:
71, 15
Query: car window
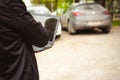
90, 7
39, 10
71, 8
42, 11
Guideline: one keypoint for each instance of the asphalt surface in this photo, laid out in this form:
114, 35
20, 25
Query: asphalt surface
83, 56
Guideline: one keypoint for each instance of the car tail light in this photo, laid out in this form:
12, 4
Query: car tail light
78, 13
106, 12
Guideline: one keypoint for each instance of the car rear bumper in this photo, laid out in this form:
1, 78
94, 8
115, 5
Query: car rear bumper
91, 24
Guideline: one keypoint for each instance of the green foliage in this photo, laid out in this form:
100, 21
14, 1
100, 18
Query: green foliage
116, 23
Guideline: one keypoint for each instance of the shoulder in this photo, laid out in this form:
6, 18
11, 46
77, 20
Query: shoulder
4, 2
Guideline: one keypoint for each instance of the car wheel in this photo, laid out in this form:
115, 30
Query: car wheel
58, 36
71, 30
106, 30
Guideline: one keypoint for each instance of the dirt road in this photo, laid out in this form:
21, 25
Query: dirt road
84, 56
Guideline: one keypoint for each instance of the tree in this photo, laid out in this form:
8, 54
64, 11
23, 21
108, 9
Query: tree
102, 2
76, 1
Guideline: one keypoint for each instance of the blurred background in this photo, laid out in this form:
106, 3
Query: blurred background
60, 6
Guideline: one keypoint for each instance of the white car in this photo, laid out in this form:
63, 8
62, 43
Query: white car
41, 9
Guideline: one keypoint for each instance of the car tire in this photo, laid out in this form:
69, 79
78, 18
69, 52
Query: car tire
106, 30
58, 36
71, 30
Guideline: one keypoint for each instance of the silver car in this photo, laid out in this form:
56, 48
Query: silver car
86, 16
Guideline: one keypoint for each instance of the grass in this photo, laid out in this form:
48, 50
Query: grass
116, 23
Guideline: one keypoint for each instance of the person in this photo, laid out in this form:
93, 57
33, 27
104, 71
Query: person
18, 32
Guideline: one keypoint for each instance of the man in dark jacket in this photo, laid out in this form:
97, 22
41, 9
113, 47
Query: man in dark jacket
18, 32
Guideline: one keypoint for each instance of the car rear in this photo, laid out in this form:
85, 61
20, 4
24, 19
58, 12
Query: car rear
90, 15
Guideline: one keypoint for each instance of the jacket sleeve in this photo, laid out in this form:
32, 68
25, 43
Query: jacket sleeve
26, 25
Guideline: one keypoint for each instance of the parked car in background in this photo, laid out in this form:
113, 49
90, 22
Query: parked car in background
42, 10
86, 16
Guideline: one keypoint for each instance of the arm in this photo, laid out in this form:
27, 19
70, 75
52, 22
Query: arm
25, 24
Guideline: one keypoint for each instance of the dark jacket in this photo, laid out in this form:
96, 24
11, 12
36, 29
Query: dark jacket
18, 32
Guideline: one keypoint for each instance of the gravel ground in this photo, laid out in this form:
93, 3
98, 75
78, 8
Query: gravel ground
83, 56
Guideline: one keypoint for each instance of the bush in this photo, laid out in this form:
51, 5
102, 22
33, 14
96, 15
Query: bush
116, 23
